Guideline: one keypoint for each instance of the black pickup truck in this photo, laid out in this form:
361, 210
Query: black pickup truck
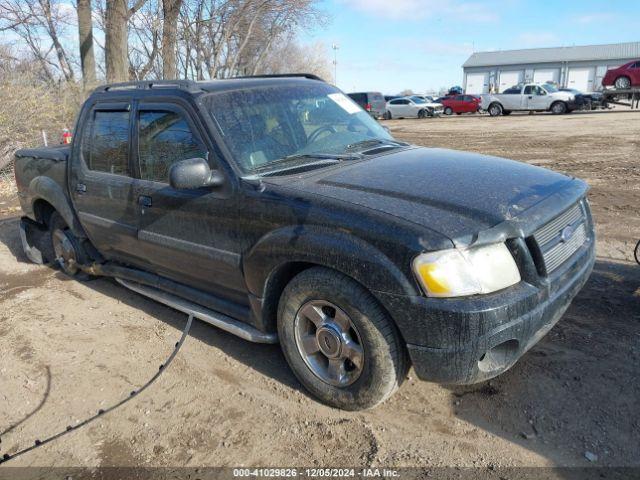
277, 209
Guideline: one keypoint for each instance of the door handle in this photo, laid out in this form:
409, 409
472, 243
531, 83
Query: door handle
81, 188
144, 201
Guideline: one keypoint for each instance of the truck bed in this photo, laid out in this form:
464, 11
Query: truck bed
43, 162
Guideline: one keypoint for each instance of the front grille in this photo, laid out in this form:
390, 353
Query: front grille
561, 237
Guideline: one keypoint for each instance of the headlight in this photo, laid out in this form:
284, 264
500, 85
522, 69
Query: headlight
457, 272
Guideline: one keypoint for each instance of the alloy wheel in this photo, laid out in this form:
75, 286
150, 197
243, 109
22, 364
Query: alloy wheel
329, 343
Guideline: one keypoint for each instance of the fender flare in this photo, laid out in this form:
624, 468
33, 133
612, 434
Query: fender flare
44, 188
333, 249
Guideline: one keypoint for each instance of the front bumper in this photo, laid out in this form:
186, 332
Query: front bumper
464, 341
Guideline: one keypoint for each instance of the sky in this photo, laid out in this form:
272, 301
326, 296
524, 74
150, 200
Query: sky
392, 45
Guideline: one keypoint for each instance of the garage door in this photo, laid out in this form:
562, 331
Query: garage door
477, 83
510, 78
581, 79
546, 75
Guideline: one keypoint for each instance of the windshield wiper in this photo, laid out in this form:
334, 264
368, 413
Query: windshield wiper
332, 157
372, 142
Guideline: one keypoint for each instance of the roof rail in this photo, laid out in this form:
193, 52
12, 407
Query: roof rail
186, 85
310, 76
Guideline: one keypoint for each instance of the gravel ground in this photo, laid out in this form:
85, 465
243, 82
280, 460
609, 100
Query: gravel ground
69, 348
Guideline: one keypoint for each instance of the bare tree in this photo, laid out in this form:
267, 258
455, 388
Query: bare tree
36, 21
171, 12
117, 15
85, 37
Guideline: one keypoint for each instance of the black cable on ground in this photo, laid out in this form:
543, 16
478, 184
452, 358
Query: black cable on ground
71, 428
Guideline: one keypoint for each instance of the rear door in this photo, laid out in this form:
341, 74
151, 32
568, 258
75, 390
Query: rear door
512, 98
377, 103
101, 180
187, 235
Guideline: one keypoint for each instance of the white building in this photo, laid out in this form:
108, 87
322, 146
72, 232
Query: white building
580, 67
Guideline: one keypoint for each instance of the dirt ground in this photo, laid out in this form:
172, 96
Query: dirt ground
69, 348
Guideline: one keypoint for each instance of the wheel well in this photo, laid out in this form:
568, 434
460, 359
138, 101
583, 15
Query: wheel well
43, 210
278, 281
274, 287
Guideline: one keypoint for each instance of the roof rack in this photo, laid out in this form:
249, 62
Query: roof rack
310, 76
186, 85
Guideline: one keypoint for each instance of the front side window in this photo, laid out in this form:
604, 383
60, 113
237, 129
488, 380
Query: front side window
164, 137
107, 147
265, 124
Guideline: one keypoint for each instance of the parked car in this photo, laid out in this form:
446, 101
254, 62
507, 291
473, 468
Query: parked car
624, 77
460, 104
586, 101
278, 210
455, 91
372, 102
426, 98
528, 97
408, 107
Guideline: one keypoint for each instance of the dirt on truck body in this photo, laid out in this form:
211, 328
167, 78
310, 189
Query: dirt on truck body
225, 401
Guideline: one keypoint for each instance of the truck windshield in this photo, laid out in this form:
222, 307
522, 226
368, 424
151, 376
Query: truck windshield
266, 124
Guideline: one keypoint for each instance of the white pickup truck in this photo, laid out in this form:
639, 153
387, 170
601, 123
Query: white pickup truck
531, 97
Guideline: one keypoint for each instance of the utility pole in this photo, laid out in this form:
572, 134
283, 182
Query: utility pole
335, 48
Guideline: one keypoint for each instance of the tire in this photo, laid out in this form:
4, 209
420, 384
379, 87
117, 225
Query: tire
495, 109
388, 115
622, 83
506, 112
383, 362
421, 114
636, 252
67, 249
448, 111
558, 108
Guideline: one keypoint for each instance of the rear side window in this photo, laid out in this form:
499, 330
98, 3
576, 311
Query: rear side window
359, 98
107, 148
512, 91
164, 137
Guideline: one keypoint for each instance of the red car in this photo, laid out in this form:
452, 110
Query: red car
460, 104
626, 76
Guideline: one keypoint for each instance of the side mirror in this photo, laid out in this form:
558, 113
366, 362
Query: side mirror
193, 173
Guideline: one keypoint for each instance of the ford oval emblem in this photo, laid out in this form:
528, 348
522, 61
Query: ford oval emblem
566, 233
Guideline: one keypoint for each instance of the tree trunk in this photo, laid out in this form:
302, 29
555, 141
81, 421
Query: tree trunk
85, 35
116, 59
170, 12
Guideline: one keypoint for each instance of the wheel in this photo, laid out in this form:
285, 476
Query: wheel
636, 252
388, 115
495, 109
66, 247
448, 111
622, 83
506, 112
421, 114
558, 108
339, 342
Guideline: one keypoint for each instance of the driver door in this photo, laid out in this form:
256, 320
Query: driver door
185, 235
536, 97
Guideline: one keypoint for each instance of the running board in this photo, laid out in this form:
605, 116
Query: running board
211, 317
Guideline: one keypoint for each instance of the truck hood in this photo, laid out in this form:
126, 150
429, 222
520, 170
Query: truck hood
457, 194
